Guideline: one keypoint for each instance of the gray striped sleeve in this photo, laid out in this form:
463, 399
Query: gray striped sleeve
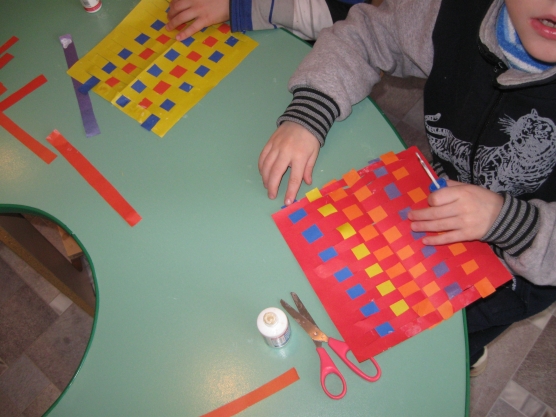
515, 228
313, 110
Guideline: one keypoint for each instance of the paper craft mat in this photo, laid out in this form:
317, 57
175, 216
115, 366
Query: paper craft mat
142, 70
379, 284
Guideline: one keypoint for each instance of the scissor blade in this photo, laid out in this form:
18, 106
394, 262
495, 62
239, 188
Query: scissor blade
301, 308
313, 331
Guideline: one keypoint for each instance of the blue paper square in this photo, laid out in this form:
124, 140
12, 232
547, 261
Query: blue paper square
428, 251
380, 172
138, 86
231, 41
216, 56
356, 291
202, 71
418, 235
186, 87
343, 274
122, 101
297, 215
142, 38
167, 105
151, 121
124, 53
327, 254
157, 25
452, 290
312, 233
392, 191
109, 67
403, 213
89, 84
369, 309
171, 55
384, 329
155, 70
188, 41
440, 269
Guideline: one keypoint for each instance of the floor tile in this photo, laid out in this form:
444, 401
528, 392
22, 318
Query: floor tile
505, 355
503, 409
42, 402
10, 282
3, 366
22, 382
549, 413
520, 399
60, 303
540, 320
7, 406
23, 318
58, 352
414, 137
32, 278
536, 373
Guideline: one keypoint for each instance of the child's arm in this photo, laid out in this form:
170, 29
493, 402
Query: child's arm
461, 212
305, 18
341, 69
290, 146
523, 233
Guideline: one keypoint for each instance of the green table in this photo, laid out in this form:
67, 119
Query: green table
179, 293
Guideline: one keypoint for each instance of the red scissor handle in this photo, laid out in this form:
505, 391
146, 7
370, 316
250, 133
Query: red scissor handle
327, 367
341, 349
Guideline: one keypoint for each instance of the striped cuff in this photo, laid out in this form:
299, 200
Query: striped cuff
240, 15
313, 110
515, 228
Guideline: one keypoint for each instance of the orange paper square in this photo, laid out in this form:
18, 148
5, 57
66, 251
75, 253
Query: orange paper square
417, 194
392, 234
377, 214
417, 270
395, 270
457, 248
431, 288
383, 253
446, 310
389, 157
351, 177
338, 194
470, 266
485, 287
408, 288
405, 252
400, 173
352, 212
368, 232
362, 193
423, 308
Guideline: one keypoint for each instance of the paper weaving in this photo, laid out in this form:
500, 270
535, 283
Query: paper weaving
142, 70
379, 284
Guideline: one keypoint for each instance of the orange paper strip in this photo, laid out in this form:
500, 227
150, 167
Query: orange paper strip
22, 92
94, 178
259, 394
35, 146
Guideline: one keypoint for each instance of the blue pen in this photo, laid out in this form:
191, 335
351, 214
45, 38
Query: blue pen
436, 184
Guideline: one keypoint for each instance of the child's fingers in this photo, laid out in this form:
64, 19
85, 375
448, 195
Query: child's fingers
443, 238
275, 174
192, 29
294, 183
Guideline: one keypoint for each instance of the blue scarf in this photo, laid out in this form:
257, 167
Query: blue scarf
512, 47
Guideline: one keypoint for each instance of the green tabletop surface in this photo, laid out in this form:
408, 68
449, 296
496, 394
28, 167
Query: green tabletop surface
179, 293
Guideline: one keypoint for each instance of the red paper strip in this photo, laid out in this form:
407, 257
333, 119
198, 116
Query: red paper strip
40, 150
8, 44
259, 394
94, 178
4, 59
22, 92
2, 89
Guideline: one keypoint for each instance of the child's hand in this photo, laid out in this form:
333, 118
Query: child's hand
290, 146
205, 13
460, 211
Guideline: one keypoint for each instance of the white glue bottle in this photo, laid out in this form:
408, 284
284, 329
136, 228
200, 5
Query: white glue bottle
273, 325
91, 6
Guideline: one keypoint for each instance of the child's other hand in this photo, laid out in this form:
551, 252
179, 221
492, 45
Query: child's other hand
462, 212
290, 146
204, 12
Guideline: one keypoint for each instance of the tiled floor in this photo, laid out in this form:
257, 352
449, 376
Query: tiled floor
43, 334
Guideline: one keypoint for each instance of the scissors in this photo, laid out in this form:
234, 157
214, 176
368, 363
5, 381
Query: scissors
327, 366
